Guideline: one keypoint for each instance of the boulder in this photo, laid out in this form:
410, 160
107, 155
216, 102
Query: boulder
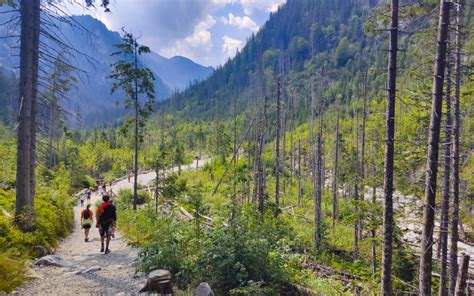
203, 290
53, 260
158, 281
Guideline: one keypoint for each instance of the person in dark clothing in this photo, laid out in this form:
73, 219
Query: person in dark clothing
106, 219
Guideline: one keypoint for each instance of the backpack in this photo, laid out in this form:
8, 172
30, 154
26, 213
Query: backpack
87, 214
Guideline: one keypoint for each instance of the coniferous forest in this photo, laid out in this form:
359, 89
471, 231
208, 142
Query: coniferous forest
332, 155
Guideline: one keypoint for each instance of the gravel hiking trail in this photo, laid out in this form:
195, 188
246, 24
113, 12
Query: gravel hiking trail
92, 272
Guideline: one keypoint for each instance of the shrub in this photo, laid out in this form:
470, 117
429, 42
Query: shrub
125, 197
83, 181
253, 258
53, 219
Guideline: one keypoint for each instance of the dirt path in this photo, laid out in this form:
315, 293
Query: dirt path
117, 269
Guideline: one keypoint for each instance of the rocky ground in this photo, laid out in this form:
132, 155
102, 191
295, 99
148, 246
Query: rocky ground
109, 274
409, 214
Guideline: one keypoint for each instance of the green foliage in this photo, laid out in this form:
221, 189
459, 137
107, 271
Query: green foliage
53, 220
132, 79
125, 197
254, 258
53, 217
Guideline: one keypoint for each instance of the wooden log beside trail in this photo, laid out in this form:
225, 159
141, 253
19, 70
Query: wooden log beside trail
462, 276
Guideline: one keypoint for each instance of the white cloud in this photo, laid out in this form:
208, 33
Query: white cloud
240, 22
230, 46
266, 5
221, 3
196, 45
201, 36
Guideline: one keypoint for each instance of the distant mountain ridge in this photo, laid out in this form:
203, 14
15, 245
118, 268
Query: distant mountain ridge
93, 44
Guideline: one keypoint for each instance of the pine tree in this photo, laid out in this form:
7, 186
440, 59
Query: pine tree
135, 81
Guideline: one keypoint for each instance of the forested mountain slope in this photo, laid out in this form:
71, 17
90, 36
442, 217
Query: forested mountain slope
330, 34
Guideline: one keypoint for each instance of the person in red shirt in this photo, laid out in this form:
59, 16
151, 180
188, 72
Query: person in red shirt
106, 219
86, 221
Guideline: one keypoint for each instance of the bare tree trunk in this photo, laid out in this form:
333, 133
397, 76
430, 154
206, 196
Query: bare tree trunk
135, 159
255, 158
388, 167
454, 237
318, 183
373, 233
433, 150
283, 162
443, 227
249, 165
292, 144
30, 13
260, 178
335, 171
50, 133
34, 75
356, 185
157, 188
300, 193
462, 277
277, 145
362, 154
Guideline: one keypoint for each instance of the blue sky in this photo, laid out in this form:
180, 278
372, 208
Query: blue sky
206, 31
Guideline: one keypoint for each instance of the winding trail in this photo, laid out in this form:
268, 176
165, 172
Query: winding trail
117, 269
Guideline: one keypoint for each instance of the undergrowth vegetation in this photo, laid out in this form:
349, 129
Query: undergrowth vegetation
53, 215
237, 250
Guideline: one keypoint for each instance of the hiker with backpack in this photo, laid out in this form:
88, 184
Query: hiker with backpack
86, 221
106, 219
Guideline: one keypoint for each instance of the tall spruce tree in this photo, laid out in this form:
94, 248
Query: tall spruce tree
135, 81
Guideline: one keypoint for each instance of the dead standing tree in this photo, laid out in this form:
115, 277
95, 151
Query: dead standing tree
277, 143
388, 166
453, 250
443, 227
433, 150
259, 176
335, 169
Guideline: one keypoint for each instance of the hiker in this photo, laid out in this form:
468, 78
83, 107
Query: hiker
86, 221
106, 218
129, 175
82, 198
104, 188
88, 195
